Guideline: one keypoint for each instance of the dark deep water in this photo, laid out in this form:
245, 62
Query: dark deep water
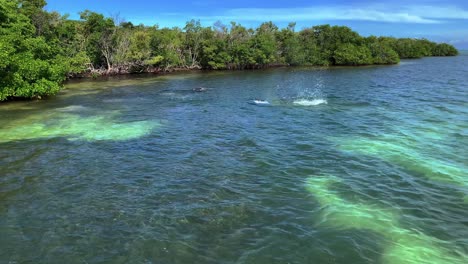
347, 165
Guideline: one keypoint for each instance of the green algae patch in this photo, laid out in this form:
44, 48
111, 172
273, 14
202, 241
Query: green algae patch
401, 245
53, 124
402, 153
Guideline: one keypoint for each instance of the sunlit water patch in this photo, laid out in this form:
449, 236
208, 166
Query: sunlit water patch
401, 245
407, 156
64, 123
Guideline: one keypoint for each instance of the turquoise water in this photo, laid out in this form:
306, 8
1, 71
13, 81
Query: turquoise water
346, 165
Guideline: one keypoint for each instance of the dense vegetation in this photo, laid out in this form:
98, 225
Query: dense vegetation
39, 49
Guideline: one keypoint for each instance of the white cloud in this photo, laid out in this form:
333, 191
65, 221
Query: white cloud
409, 14
439, 12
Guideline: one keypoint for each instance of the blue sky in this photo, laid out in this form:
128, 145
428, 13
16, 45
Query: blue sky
433, 19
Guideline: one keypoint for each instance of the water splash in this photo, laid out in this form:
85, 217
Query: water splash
401, 245
311, 97
59, 123
303, 91
305, 102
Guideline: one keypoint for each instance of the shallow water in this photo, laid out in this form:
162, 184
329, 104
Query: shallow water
346, 165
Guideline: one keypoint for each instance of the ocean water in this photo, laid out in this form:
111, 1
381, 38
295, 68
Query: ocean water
345, 165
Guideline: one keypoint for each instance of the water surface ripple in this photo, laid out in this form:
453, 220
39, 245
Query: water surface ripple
346, 165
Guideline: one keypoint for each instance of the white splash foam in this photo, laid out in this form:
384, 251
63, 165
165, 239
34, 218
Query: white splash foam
260, 102
305, 102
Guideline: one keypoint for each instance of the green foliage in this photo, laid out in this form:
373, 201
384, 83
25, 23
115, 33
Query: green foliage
312, 51
444, 49
29, 66
139, 48
155, 61
238, 46
381, 52
408, 48
30, 7
350, 54
214, 53
77, 63
290, 49
193, 42
97, 32
168, 43
264, 44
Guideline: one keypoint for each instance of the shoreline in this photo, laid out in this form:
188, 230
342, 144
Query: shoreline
101, 75
104, 75
119, 71
154, 72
